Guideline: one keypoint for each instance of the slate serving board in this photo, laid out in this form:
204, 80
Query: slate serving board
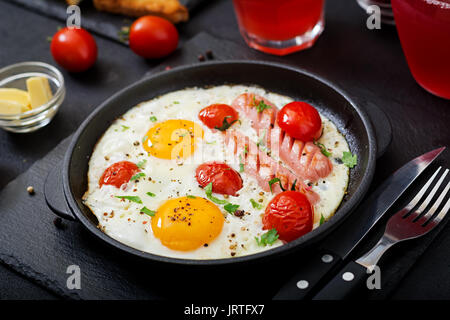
32, 245
102, 23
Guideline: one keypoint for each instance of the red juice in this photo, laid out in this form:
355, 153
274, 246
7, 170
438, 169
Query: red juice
424, 30
280, 26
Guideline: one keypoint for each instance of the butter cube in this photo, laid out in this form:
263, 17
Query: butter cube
39, 91
12, 107
15, 95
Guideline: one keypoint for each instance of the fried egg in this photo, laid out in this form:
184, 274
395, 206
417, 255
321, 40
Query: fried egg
163, 210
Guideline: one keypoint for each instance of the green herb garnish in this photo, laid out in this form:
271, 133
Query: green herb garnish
241, 164
124, 34
323, 149
191, 196
245, 150
153, 119
149, 212
322, 220
131, 198
267, 238
125, 128
137, 176
231, 208
176, 102
151, 194
275, 180
260, 106
141, 164
349, 159
293, 185
256, 205
225, 124
208, 190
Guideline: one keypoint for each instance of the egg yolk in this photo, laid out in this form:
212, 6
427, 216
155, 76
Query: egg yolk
172, 139
186, 224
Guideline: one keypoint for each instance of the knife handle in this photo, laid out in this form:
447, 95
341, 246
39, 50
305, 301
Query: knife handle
348, 283
309, 275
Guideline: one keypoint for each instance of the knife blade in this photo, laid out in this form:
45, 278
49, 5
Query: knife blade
346, 238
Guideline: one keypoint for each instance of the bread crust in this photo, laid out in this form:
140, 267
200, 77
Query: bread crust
172, 10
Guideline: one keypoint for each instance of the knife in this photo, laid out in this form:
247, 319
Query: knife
312, 273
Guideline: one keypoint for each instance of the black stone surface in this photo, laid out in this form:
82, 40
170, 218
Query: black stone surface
367, 64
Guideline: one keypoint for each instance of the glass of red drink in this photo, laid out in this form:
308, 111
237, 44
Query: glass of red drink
280, 27
424, 30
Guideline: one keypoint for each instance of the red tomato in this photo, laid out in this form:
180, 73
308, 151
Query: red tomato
153, 37
290, 213
213, 115
224, 179
118, 173
301, 121
74, 49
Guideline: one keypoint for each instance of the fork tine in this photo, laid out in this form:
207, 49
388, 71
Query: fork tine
421, 193
435, 206
427, 201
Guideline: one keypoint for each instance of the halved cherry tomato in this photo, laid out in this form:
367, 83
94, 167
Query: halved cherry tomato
214, 115
290, 213
224, 179
118, 173
153, 37
301, 121
74, 49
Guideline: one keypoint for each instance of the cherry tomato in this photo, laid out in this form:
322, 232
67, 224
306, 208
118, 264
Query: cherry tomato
213, 115
290, 213
301, 121
74, 49
153, 37
224, 179
118, 173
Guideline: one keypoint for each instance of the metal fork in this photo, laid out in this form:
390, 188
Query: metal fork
408, 223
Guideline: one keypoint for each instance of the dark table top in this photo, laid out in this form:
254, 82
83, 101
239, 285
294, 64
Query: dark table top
369, 64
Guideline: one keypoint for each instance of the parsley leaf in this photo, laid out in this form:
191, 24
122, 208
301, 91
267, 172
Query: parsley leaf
225, 124
151, 194
260, 106
208, 190
191, 196
246, 150
275, 180
256, 205
231, 208
267, 238
125, 128
293, 185
241, 164
147, 211
142, 163
349, 159
153, 119
322, 220
323, 149
131, 198
137, 176
176, 102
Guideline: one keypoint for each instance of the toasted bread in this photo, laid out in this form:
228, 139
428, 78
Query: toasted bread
172, 10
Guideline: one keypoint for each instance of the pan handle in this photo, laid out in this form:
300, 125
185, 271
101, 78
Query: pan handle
54, 194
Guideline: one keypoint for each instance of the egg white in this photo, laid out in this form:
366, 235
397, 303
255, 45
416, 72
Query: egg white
121, 219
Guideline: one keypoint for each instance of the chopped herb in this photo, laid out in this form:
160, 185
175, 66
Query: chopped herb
142, 163
245, 150
212, 142
293, 185
153, 119
241, 164
260, 106
267, 238
191, 196
225, 124
144, 138
323, 149
137, 176
349, 159
151, 194
208, 190
275, 180
256, 205
124, 34
125, 128
176, 102
49, 39
231, 208
322, 220
131, 198
149, 212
